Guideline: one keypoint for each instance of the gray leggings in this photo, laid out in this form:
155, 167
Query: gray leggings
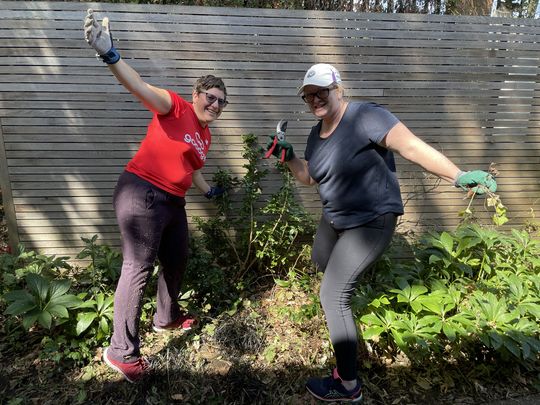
153, 226
343, 256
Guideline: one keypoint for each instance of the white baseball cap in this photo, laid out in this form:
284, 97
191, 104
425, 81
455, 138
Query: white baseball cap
321, 75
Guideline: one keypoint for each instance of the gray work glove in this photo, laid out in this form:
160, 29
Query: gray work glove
100, 38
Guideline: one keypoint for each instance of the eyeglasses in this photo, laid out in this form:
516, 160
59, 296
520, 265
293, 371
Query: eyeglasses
211, 99
322, 94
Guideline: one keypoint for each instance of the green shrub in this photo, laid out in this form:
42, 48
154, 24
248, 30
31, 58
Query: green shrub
43, 301
470, 291
252, 238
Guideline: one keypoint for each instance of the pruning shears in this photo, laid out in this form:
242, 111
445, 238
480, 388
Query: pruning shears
280, 136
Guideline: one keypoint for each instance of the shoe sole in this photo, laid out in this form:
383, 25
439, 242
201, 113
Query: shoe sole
116, 368
359, 399
163, 330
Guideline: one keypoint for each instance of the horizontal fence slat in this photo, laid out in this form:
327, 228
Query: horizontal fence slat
469, 86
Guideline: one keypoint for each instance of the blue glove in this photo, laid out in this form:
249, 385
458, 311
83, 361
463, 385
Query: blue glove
215, 191
477, 181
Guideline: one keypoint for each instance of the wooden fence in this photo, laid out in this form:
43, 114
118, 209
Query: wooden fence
467, 85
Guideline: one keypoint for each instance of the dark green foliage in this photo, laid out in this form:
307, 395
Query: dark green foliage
468, 292
251, 238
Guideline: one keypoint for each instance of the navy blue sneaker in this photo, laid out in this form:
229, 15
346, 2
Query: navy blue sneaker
331, 389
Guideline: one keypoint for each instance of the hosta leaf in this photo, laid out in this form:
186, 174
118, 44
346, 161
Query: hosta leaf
45, 319
109, 301
38, 285
58, 310
18, 295
20, 307
87, 304
58, 288
69, 301
485, 339
418, 290
30, 319
84, 320
104, 325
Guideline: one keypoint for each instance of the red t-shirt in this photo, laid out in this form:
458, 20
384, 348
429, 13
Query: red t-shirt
175, 145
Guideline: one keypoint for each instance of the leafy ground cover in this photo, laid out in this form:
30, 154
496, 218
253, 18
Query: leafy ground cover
456, 323
257, 355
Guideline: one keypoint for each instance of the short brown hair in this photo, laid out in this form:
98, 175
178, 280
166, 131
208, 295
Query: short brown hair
209, 82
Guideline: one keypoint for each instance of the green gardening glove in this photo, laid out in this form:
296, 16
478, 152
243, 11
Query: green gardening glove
279, 148
477, 180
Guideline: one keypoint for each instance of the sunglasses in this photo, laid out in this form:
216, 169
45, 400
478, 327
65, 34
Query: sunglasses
211, 99
322, 94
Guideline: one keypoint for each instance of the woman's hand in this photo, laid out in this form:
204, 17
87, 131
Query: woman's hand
477, 181
100, 38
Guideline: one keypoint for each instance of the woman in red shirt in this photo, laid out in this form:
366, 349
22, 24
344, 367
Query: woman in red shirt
149, 199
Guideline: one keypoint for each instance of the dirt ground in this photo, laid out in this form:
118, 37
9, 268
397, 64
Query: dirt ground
529, 400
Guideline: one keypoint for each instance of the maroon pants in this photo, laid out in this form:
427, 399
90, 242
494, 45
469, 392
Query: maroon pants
153, 226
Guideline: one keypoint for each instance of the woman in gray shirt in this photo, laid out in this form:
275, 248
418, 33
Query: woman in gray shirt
349, 155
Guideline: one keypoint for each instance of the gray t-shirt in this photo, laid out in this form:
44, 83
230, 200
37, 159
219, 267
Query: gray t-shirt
357, 177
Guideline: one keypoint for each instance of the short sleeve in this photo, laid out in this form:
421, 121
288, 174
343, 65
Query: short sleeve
179, 105
377, 121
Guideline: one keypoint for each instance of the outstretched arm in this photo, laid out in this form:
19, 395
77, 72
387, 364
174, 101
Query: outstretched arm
100, 38
154, 98
412, 148
401, 140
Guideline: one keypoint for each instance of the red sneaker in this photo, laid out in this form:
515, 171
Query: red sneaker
184, 322
132, 372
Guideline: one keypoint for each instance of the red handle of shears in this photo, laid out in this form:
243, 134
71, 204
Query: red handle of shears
271, 149
283, 151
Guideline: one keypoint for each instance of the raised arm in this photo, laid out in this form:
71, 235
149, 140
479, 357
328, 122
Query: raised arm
100, 38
